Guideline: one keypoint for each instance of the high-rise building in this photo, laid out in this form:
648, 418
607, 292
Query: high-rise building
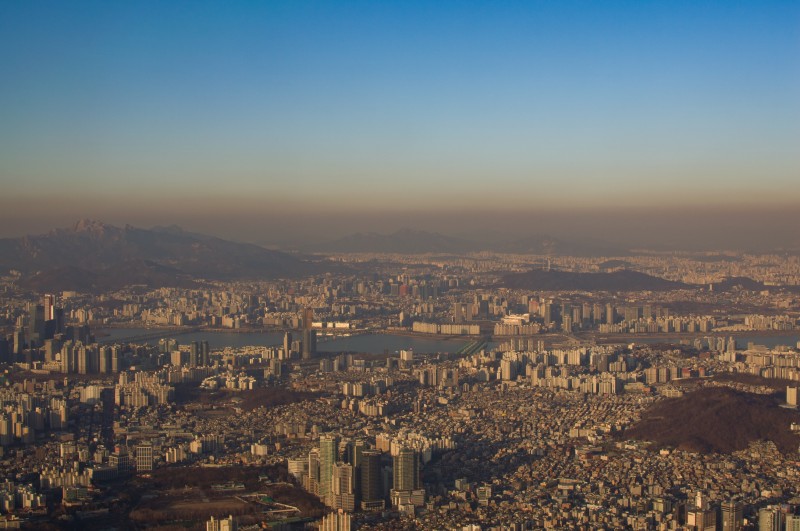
115, 350
328, 450
770, 519
308, 318
105, 360
458, 312
194, 354
339, 521
547, 313
120, 460
204, 354
406, 470
407, 491
49, 304
372, 497
222, 524
793, 522
791, 395
309, 343
312, 481
144, 457
287, 344
732, 513
343, 487
35, 324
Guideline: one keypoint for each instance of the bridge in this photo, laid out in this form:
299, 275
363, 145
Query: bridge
155, 334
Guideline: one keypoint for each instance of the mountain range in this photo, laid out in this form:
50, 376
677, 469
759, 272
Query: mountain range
410, 241
93, 256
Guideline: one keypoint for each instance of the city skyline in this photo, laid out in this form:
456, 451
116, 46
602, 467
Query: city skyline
245, 120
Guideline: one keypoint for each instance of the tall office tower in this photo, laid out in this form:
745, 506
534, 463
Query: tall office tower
194, 353
328, 450
115, 354
343, 487
371, 491
58, 317
309, 343
309, 335
406, 470
5, 350
18, 341
35, 324
354, 451
144, 457
205, 354
732, 515
49, 305
308, 318
312, 480
407, 489
547, 313
287, 345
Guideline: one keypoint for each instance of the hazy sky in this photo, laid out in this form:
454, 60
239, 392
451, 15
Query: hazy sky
211, 114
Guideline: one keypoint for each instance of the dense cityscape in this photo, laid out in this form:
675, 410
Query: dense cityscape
426, 391
399, 266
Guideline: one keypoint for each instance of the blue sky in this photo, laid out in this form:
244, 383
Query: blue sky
495, 104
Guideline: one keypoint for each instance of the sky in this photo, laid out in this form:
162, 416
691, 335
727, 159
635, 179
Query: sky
267, 121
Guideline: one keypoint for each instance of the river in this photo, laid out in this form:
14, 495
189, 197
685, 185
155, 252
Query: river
366, 343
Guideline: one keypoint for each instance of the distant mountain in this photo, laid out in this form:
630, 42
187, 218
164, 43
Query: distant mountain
404, 241
717, 419
546, 245
738, 283
92, 256
409, 241
624, 280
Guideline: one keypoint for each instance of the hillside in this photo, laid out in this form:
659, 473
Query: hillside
717, 419
624, 280
94, 256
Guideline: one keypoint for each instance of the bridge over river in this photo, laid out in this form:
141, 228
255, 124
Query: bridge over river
160, 333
